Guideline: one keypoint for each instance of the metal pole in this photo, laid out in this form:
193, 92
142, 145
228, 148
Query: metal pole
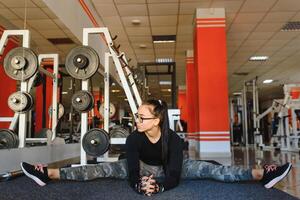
174, 86
245, 132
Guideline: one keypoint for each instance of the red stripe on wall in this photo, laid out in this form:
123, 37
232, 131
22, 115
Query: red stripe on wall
209, 19
208, 135
209, 139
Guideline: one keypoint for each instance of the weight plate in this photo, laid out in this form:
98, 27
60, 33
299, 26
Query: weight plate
95, 142
61, 110
20, 63
16, 145
82, 101
82, 62
20, 101
119, 132
8, 139
112, 110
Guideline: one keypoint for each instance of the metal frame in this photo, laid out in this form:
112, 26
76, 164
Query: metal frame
282, 106
171, 71
24, 84
133, 97
54, 76
131, 91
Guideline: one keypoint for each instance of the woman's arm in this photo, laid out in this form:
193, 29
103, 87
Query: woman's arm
132, 155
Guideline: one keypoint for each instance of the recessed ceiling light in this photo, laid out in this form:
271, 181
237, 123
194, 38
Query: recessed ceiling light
143, 46
136, 22
268, 81
259, 58
166, 90
115, 91
163, 38
291, 26
237, 93
163, 60
165, 83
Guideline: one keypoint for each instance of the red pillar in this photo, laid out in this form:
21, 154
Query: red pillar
191, 93
210, 61
182, 104
8, 85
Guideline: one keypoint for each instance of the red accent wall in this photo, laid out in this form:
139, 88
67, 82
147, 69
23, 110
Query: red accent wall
191, 96
39, 102
7, 84
182, 105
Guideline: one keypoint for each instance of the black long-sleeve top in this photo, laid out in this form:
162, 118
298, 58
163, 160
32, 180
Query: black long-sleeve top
139, 147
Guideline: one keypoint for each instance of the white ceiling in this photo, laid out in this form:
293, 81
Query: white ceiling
253, 28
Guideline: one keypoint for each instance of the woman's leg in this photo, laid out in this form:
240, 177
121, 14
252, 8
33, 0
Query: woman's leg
147, 170
113, 169
193, 169
116, 169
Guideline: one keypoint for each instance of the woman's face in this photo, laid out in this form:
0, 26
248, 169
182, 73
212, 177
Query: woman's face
146, 120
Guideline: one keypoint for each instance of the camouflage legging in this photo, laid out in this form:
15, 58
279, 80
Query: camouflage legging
191, 169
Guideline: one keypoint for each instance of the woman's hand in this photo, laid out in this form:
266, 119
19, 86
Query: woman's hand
148, 185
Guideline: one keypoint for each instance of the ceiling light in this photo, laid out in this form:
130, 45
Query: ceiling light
259, 58
291, 26
237, 93
165, 83
166, 90
163, 41
163, 38
115, 91
136, 22
268, 81
143, 46
163, 60
240, 73
63, 92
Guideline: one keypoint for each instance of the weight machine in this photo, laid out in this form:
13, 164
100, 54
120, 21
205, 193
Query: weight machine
288, 133
82, 63
22, 64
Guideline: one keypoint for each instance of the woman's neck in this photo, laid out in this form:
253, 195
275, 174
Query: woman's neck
153, 134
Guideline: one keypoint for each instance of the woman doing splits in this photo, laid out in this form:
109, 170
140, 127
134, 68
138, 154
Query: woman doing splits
154, 160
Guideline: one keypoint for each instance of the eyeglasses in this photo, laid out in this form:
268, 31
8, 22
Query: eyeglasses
141, 119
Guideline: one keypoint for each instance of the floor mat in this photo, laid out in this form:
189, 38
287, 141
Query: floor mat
25, 189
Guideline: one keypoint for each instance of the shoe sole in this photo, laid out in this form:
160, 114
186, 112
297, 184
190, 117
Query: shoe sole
37, 180
279, 178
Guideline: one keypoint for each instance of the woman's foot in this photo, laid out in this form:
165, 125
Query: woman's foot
38, 173
273, 174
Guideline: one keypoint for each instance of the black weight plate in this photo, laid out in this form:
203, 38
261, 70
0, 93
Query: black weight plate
7, 139
82, 62
95, 142
16, 138
119, 133
82, 101
20, 63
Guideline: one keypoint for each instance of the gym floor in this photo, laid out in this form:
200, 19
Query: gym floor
251, 157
